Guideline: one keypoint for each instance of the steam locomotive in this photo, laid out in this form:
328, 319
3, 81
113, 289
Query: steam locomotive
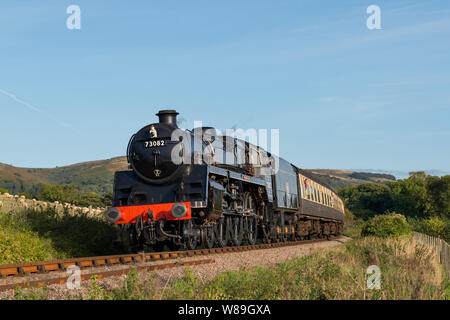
186, 188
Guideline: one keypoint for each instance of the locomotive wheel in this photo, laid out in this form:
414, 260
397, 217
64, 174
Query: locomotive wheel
208, 238
291, 232
221, 233
249, 203
266, 232
237, 231
191, 239
136, 244
252, 230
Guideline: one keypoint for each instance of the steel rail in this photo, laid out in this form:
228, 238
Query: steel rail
43, 267
101, 275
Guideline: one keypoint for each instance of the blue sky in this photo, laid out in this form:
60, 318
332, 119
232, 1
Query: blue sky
343, 96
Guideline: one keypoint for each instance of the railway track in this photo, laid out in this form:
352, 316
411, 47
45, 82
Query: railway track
100, 275
25, 270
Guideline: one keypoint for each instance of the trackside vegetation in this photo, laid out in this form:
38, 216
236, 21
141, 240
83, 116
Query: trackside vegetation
409, 271
424, 200
29, 235
379, 218
388, 225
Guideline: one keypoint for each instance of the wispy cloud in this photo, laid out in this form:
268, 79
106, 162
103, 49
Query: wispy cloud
34, 108
374, 37
26, 104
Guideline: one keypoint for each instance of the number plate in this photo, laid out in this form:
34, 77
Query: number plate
154, 143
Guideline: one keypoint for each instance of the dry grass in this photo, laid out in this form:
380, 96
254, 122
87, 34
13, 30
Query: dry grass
409, 271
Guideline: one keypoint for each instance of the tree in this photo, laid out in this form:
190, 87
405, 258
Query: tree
410, 195
367, 199
438, 195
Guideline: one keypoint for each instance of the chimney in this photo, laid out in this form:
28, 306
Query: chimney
168, 117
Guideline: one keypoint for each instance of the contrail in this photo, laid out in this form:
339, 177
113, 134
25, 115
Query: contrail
12, 96
34, 108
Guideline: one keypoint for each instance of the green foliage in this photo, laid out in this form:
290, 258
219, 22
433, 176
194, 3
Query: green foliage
433, 226
70, 194
36, 236
3, 190
26, 195
185, 286
387, 225
95, 290
131, 289
410, 195
438, 191
348, 215
367, 199
418, 196
31, 294
20, 243
353, 228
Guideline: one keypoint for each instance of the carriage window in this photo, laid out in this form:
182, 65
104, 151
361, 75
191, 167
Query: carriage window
302, 188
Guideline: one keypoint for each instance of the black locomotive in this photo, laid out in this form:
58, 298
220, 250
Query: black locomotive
188, 188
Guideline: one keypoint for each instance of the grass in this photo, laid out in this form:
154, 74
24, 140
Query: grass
353, 228
30, 235
408, 271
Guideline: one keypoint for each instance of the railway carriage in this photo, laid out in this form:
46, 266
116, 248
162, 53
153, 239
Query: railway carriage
186, 188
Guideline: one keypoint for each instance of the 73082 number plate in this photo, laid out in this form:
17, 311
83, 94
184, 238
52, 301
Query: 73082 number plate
154, 143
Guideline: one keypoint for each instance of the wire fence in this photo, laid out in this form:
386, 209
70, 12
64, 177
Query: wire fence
441, 248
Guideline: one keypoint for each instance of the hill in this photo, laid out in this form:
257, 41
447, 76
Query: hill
97, 176
338, 179
92, 176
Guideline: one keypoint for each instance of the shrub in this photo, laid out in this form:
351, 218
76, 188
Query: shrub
434, 226
69, 193
31, 235
3, 190
392, 224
